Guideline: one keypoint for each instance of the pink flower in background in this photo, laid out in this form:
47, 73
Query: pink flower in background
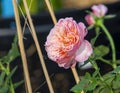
99, 10
89, 19
66, 45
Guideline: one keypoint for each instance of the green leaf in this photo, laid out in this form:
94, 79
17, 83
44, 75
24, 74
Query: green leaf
82, 84
10, 75
98, 89
93, 40
92, 84
118, 61
13, 52
110, 16
79, 87
102, 89
4, 89
101, 51
18, 84
117, 91
90, 27
116, 70
108, 78
2, 76
95, 73
116, 82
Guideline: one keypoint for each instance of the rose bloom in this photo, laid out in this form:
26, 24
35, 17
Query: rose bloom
99, 10
66, 45
89, 19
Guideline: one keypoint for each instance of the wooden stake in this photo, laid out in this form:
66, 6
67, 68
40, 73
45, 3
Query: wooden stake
51, 11
75, 74
38, 47
22, 49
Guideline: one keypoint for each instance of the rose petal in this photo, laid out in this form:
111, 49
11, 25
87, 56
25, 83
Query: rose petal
69, 64
84, 52
99, 10
103, 8
83, 30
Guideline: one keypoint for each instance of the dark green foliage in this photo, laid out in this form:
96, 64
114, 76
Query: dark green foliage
6, 74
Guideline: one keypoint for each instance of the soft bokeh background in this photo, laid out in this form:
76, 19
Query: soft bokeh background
62, 79
39, 5
85, 3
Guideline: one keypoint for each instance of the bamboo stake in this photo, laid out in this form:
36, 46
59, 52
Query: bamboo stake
22, 49
51, 11
55, 21
75, 74
38, 48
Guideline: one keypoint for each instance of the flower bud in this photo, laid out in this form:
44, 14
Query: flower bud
89, 19
99, 10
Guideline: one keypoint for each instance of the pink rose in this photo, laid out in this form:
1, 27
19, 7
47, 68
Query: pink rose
66, 45
89, 19
99, 10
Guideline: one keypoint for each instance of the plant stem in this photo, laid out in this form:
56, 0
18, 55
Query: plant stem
100, 76
97, 30
105, 61
12, 87
7, 72
11, 84
111, 43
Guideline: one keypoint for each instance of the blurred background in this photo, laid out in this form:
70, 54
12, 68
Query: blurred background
62, 79
6, 9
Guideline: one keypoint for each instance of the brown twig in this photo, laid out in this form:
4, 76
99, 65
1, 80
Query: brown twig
38, 47
22, 49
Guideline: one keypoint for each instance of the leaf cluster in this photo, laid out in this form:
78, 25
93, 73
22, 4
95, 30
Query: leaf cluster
6, 84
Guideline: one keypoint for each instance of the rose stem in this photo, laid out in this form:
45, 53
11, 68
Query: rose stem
22, 49
38, 48
111, 43
55, 21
